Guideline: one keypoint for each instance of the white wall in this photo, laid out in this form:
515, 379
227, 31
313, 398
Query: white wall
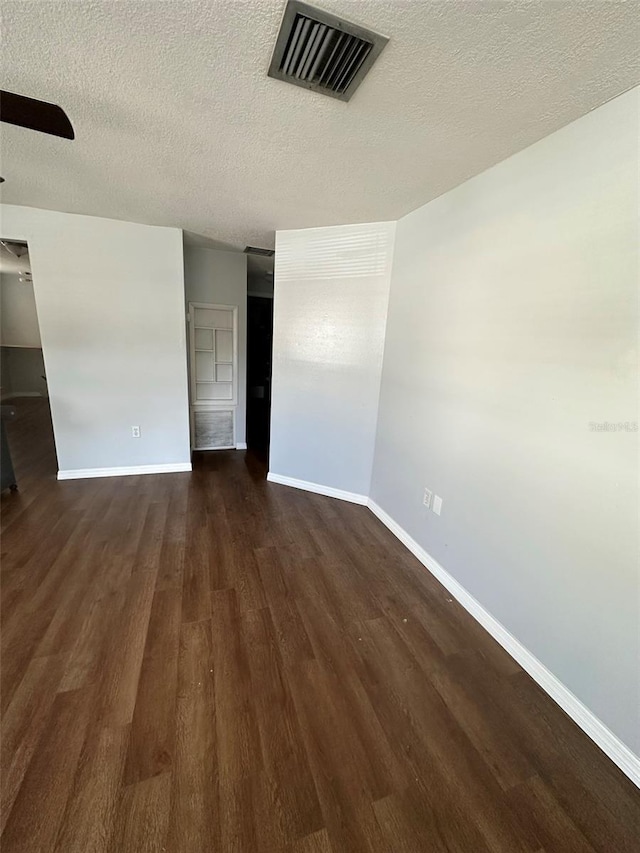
110, 300
221, 278
331, 293
512, 328
19, 325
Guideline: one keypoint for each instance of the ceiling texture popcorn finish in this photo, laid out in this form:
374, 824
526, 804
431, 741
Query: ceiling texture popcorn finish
178, 124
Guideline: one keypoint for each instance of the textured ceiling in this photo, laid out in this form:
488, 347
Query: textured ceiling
178, 124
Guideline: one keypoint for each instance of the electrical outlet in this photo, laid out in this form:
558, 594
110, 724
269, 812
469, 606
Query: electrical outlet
437, 504
135, 432
426, 500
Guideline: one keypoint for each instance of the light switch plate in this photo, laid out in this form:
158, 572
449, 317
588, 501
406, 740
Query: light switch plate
426, 500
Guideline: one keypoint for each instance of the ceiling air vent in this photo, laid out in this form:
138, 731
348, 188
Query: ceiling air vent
321, 52
254, 250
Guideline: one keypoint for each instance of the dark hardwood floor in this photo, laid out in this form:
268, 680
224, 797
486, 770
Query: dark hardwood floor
210, 662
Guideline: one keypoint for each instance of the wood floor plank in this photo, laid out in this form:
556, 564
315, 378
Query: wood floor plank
194, 822
293, 640
40, 805
212, 662
384, 772
172, 551
89, 820
238, 741
83, 666
122, 658
151, 538
283, 754
151, 743
142, 817
239, 810
196, 583
343, 774
17, 649
552, 825
318, 842
508, 762
405, 830
23, 725
415, 708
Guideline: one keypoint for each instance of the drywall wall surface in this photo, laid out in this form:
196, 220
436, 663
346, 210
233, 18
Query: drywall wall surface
19, 319
331, 293
509, 387
110, 302
23, 371
220, 278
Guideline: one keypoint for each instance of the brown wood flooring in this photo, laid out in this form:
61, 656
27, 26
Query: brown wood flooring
211, 662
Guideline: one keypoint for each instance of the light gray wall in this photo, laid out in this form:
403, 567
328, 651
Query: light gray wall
331, 293
110, 301
512, 329
221, 278
22, 371
19, 323
22, 361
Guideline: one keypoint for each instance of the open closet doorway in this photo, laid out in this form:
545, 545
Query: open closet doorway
28, 449
259, 353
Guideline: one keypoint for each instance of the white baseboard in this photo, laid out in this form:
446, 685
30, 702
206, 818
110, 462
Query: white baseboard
611, 745
241, 445
306, 486
87, 473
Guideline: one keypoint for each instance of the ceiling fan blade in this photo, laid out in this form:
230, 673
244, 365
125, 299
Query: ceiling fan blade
35, 115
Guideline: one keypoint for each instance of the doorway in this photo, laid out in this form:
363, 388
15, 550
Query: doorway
259, 354
259, 343
28, 449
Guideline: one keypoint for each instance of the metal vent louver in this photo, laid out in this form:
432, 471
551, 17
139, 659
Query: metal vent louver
254, 250
324, 53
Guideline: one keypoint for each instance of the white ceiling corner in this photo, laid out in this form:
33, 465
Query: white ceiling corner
178, 124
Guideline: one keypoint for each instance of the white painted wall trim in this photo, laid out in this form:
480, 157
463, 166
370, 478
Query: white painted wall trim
318, 489
603, 737
241, 445
87, 473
